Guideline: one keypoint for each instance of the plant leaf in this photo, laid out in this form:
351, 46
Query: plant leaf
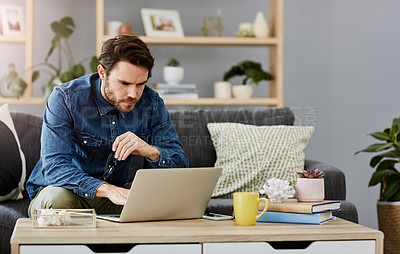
375, 160
391, 189
376, 148
380, 136
19, 89
378, 176
78, 70
35, 76
66, 76
68, 22
94, 62
64, 28
395, 197
12, 79
396, 121
387, 164
394, 131
389, 154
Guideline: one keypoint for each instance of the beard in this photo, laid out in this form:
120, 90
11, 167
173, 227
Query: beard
123, 105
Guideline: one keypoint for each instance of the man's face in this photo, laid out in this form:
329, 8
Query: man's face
124, 86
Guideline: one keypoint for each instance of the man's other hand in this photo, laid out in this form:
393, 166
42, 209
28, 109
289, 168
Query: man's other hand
128, 143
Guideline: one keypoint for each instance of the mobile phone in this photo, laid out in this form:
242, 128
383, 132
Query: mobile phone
217, 216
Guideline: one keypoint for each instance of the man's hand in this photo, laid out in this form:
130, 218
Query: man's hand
117, 195
128, 143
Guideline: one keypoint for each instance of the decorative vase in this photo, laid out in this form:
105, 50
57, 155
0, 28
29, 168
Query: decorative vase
222, 90
389, 224
242, 91
260, 26
172, 74
310, 189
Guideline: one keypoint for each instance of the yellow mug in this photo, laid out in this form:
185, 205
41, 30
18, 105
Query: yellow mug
245, 206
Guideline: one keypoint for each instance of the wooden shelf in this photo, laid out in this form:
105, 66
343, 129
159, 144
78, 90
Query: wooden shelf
168, 102
219, 102
13, 38
212, 41
23, 100
275, 56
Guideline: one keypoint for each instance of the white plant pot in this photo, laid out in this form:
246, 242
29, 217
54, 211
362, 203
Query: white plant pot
173, 75
222, 90
242, 91
310, 189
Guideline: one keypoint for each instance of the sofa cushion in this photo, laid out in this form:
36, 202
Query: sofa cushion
29, 128
191, 126
250, 155
12, 162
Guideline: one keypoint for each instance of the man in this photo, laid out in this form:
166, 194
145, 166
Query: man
92, 127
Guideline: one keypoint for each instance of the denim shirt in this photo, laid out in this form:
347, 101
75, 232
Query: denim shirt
79, 128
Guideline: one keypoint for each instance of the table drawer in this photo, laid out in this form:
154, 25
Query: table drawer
136, 249
328, 247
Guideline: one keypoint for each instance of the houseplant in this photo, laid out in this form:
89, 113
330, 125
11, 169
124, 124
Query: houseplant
173, 72
310, 185
388, 177
62, 29
251, 72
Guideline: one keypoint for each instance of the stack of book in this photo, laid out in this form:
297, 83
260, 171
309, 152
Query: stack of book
293, 211
177, 91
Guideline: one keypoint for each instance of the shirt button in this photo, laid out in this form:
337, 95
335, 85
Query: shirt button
86, 195
85, 142
163, 162
113, 122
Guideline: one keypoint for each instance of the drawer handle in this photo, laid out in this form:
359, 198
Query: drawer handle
299, 245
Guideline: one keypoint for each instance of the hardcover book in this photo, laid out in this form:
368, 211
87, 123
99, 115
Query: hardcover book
294, 206
297, 218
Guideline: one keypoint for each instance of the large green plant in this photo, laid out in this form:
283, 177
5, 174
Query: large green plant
62, 29
385, 162
252, 72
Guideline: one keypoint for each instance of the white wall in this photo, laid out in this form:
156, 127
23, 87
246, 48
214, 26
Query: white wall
341, 67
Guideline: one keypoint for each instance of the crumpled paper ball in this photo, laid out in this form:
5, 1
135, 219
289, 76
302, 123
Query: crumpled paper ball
277, 190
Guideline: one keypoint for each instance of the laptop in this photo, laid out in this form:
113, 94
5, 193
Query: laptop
168, 194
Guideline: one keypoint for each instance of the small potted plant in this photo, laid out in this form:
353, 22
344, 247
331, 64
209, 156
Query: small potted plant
310, 185
173, 72
253, 74
385, 162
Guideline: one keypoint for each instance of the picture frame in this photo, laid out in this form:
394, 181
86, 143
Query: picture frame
162, 23
12, 19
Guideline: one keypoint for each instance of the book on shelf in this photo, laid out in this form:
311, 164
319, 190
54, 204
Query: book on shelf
179, 96
294, 206
176, 91
297, 218
175, 86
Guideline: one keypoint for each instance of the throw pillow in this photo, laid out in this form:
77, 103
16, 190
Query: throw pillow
249, 155
12, 162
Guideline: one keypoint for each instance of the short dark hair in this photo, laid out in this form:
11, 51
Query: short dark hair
128, 48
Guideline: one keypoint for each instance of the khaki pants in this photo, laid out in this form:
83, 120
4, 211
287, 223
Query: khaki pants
61, 198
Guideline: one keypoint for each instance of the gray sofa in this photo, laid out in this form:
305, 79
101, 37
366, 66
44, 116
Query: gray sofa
191, 127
